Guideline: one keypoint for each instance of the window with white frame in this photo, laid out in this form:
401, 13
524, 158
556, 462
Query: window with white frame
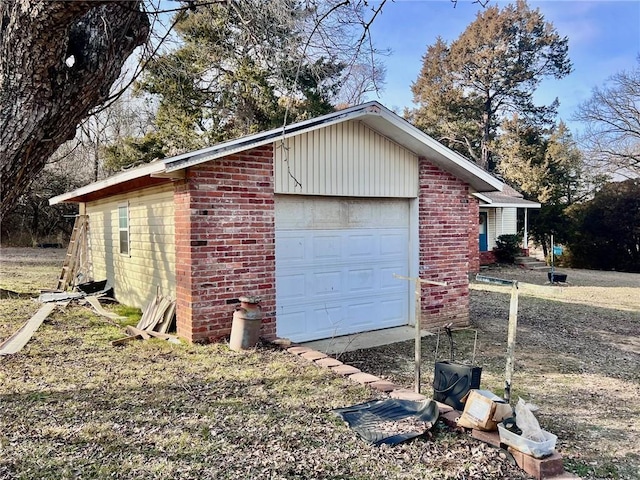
123, 228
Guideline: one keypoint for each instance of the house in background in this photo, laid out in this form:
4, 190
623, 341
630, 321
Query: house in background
315, 218
499, 216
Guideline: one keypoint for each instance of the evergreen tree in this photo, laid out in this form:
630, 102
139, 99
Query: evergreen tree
548, 167
238, 71
492, 70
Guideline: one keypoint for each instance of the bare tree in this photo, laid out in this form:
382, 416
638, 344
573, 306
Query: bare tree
58, 60
612, 119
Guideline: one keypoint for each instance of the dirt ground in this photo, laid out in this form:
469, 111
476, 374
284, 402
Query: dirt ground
577, 358
577, 354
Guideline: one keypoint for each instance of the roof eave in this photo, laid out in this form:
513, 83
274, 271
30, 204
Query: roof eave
424, 145
513, 205
74, 196
264, 138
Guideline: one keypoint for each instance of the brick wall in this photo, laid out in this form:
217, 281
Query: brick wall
448, 217
474, 234
487, 258
225, 243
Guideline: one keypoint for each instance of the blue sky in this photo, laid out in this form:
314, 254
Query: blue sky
604, 38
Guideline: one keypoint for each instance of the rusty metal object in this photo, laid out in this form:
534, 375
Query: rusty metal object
247, 320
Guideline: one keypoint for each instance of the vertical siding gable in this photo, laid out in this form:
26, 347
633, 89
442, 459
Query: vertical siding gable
345, 159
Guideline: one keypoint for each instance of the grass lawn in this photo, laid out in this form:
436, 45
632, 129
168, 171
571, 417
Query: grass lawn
73, 406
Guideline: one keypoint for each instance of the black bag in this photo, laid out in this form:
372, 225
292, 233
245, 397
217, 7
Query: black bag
452, 381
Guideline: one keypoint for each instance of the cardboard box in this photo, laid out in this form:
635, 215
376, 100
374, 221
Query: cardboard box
484, 410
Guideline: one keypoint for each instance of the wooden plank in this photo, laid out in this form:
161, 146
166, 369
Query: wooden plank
95, 303
131, 330
147, 314
164, 325
122, 341
164, 336
158, 314
19, 339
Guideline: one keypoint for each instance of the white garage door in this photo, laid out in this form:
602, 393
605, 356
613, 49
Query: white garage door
335, 260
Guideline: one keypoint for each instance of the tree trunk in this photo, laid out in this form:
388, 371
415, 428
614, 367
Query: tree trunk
486, 135
58, 60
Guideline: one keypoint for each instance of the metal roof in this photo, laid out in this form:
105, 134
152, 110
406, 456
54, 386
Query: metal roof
373, 114
508, 197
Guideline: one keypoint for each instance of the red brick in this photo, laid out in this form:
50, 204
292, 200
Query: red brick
345, 370
444, 408
298, 350
540, 468
212, 206
312, 355
328, 362
405, 394
450, 418
492, 438
363, 378
446, 222
383, 386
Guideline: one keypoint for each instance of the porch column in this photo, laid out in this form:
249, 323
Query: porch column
525, 237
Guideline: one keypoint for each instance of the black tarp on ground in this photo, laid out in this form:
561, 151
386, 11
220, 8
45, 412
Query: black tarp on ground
390, 421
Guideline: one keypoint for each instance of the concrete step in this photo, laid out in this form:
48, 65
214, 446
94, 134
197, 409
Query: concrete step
531, 263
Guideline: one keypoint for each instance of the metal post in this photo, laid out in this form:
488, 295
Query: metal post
552, 269
525, 236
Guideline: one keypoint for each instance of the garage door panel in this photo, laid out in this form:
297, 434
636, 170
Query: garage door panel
361, 245
393, 244
388, 282
362, 315
327, 246
393, 310
296, 322
362, 280
292, 248
327, 283
341, 279
327, 320
292, 285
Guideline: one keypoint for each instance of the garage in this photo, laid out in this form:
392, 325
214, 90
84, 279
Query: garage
335, 260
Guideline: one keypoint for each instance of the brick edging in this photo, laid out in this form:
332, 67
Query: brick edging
547, 468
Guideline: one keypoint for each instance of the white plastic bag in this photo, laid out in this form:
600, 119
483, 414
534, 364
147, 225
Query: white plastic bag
528, 423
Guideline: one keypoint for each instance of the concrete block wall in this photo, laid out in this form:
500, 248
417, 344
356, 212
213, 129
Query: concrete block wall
447, 218
225, 243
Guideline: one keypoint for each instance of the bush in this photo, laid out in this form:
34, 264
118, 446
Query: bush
507, 248
607, 231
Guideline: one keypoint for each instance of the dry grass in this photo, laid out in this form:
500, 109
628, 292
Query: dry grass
577, 357
73, 406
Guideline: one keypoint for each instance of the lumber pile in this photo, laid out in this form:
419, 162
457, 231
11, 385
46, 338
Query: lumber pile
157, 318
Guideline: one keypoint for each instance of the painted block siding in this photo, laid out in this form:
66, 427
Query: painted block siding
447, 218
151, 262
225, 243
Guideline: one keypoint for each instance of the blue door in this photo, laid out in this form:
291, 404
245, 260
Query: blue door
483, 232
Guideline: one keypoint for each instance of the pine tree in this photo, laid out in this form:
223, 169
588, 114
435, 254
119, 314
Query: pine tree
490, 72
